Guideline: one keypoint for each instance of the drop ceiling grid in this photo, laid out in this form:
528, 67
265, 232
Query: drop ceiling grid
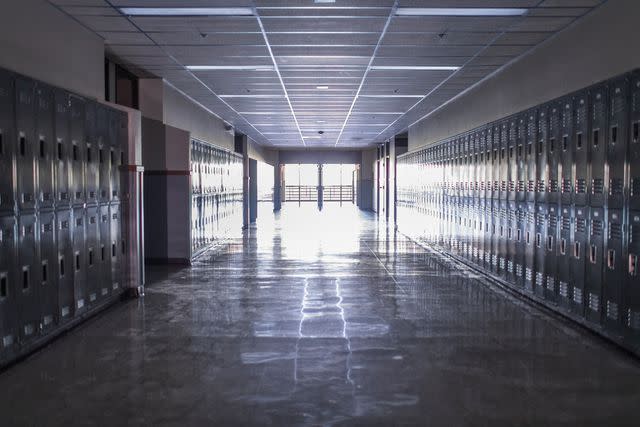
322, 45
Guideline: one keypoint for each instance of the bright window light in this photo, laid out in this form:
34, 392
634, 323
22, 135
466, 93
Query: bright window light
187, 11
459, 11
230, 67
322, 87
416, 67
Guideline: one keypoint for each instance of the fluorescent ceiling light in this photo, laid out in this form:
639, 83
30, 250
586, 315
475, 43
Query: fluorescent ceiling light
312, 137
415, 67
322, 87
187, 11
391, 96
251, 96
230, 67
459, 11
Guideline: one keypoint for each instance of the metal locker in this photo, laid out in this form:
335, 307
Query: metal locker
104, 255
554, 149
578, 256
25, 144
594, 265
531, 136
64, 265
495, 239
62, 148
512, 162
521, 172
116, 155
8, 286
45, 145
486, 147
92, 254
631, 291
27, 273
564, 253
551, 255
118, 248
503, 160
614, 271
77, 151
567, 150
598, 144
7, 147
495, 161
123, 149
519, 260
540, 249
103, 154
580, 150
47, 279
618, 125
79, 260
91, 149
634, 143
475, 166
529, 246
542, 141
503, 225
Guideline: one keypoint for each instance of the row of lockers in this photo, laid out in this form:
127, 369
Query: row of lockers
214, 217
54, 266
57, 149
549, 206
582, 149
214, 170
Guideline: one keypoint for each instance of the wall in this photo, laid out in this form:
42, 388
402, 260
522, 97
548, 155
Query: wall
319, 156
601, 45
367, 179
38, 40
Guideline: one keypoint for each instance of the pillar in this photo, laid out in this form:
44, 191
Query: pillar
278, 175
391, 181
320, 187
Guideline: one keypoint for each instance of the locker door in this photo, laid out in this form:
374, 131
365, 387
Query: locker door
564, 262
25, 144
529, 247
118, 249
77, 148
595, 265
91, 165
521, 223
567, 149
9, 289
614, 271
512, 162
551, 255
45, 145
631, 292
104, 252
103, 155
497, 178
542, 142
530, 155
579, 248
580, 150
123, 147
64, 266
47, 279
540, 249
598, 144
92, 254
495, 237
521, 172
62, 148
554, 149
503, 160
28, 297
502, 239
512, 225
116, 155
79, 261
634, 144
7, 148
617, 141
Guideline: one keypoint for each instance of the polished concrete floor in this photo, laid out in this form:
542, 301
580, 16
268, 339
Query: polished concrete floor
323, 319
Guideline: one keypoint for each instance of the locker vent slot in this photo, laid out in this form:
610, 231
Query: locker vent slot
528, 275
539, 279
581, 186
65, 311
633, 319
581, 225
551, 283
7, 341
553, 186
564, 289
577, 295
597, 186
615, 231
566, 186
616, 187
612, 310
531, 185
510, 267
636, 132
635, 186
596, 227
566, 223
519, 270
633, 265
594, 302
541, 187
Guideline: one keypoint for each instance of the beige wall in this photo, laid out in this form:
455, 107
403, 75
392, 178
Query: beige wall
599, 46
39, 41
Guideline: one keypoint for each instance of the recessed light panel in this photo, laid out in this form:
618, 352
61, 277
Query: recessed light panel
415, 68
230, 67
187, 11
459, 11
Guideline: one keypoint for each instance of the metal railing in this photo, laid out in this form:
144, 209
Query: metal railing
338, 193
301, 193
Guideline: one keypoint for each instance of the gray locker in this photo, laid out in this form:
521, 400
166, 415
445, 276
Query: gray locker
634, 144
529, 246
631, 292
495, 238
580, 150
28, 302
25, 144
503, 225
598, 144
554, 149
91, 148
497, 178
7, 147
8, 286
512, 161
579, 248
614, 271
104, 252
594, 263
564, 262
103, 155
62, 148
47, 279
541, 147
45, 145
551, 255
521, 158
118, 151
616, 151
540, 249
77, 154
530, 155
65, 263
503, 159
521, 245
92, 254
567, 150
79, 261
511, 232
118, 248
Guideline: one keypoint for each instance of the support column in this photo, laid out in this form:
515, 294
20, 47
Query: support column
391, 181
278, 174
320, 187
253, 190
241, 147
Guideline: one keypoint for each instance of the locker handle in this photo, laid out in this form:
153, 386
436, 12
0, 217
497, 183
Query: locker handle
44, 272
552, 144
563, 246
550, 243
538, 240
77, 261
25, 278
61, 267
75, 153
614, 134
579, 140
60, 151
596, 137
42, 148
576, 250
593, 254
636, 131
23, 145
1, 144
4, 285
565, 142
611, 259
633, 265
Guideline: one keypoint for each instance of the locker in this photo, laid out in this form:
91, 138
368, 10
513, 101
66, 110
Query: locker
540, 249
598, 144
503, 225
28, 302
103, 252
614, 270
580, 150
521, 173
503, 159
594, 263
551, 255
103, 155
529, 246
91, 149
631, 292
25, 144
117, 156
123, 154
491, 158
495, 238
510, 235
519, 261
45, 144
118, 248
554, 162
47, 279
634, 143
77, 154
616, 150
62, 148
578, 256
512, 162
541, 147
7, 147
495, 144
8, 286
564, 262
530, 152
567, 150
79, 261
65, 260
92, 255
